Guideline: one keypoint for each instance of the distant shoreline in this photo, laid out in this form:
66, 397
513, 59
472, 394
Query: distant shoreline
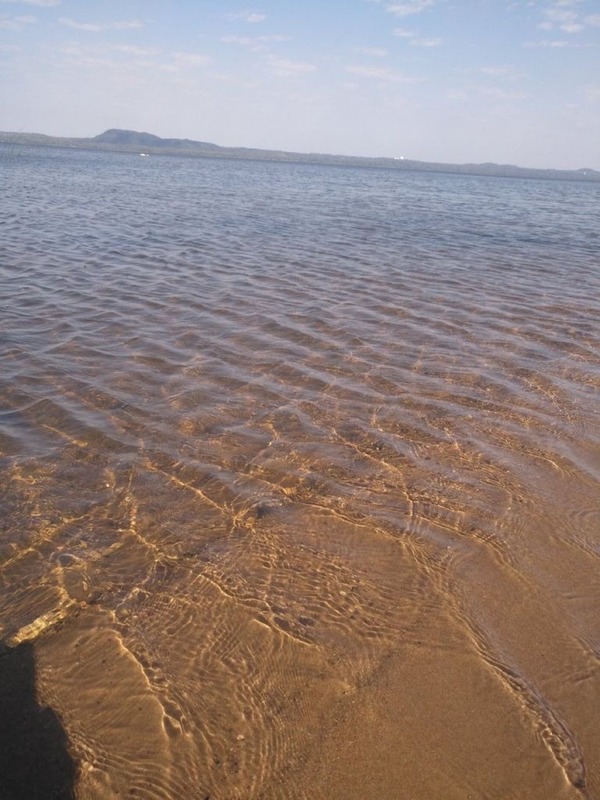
124, 141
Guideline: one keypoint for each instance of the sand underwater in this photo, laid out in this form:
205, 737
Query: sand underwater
298, 483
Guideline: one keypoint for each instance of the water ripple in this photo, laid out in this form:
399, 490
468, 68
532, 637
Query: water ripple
264, 427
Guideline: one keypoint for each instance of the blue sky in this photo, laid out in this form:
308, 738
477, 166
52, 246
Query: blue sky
434, 80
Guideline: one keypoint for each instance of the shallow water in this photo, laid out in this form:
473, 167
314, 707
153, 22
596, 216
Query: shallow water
299, 476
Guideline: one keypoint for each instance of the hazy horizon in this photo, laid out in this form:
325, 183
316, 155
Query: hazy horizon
425, 80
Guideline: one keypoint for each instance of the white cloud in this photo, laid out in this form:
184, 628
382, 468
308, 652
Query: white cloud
563, 15
232, 39
556, 43
274, 37
191, 59
502, 94
134, 50
433, 42
37, 3
457, 94
96, 27
254, 42
410, 8
501, 72
246, 16
285, 67
16, 23
88, 57
384, 74
558, 18
80, 26
131, 58
415, 40
572, 27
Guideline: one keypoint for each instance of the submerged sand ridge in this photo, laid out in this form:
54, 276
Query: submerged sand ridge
300, 498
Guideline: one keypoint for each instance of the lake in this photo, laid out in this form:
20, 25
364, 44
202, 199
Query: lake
299, 479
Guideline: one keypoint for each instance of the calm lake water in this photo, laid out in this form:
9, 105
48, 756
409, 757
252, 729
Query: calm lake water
299, 478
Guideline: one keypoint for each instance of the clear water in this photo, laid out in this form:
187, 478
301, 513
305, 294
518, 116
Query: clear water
285, 449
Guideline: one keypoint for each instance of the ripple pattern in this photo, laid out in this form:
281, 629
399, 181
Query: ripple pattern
266, 430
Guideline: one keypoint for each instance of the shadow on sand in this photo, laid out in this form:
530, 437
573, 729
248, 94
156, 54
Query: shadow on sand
34, 759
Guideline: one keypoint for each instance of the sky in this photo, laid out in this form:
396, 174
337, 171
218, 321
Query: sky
454, 81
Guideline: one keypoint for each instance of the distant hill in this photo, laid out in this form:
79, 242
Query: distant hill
126, 141
115, 136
